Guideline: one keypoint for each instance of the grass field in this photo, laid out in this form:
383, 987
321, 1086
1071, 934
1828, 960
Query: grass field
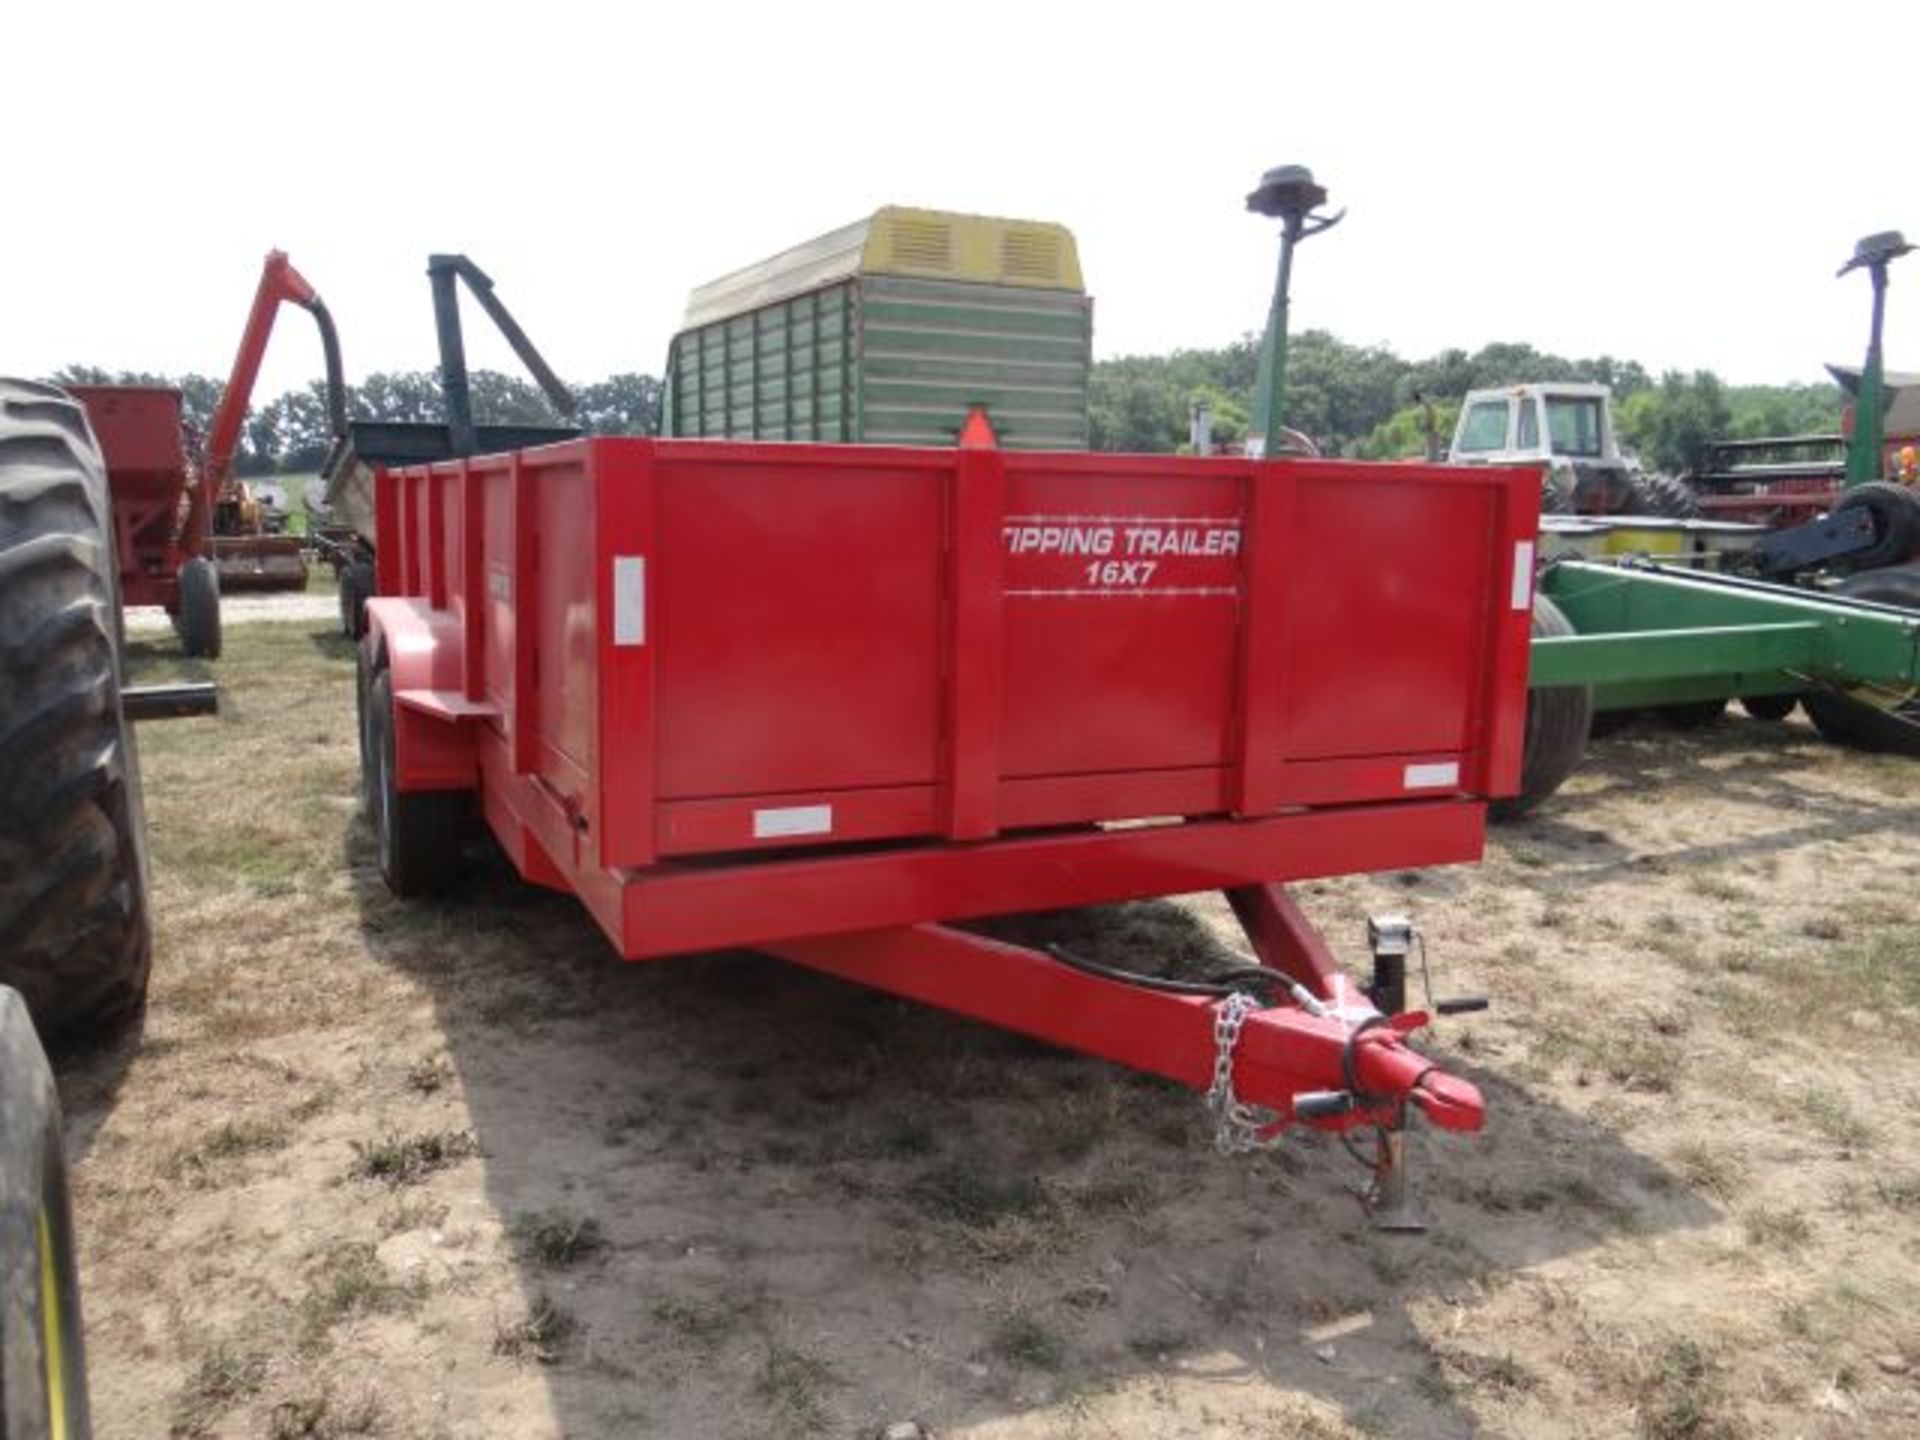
451, 1170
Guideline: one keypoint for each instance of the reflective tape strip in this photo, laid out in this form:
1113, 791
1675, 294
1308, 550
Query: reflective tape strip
793, 820
1431, 777
629, 600
1523, 574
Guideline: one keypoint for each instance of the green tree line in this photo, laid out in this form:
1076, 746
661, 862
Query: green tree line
1364, 401
1355, 400
291, 434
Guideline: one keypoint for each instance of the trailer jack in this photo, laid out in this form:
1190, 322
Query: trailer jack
1388, 1200
1323, 1056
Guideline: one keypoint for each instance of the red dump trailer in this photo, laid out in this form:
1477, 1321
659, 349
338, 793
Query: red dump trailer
825, 700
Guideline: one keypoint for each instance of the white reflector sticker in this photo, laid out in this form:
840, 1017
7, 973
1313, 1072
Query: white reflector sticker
629, 600
1431, 777
1523, 574
793, 820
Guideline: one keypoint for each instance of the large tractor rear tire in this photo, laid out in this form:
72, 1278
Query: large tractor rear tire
1558, 722
74, 928
1850, 716
1662, 495
199, 619
418, 831
1556, 491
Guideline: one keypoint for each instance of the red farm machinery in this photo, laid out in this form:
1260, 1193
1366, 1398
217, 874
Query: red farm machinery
828, 700
185, 529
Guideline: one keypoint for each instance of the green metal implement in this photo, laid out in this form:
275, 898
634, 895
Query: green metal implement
1651, 634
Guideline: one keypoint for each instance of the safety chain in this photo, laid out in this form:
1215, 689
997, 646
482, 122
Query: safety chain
1237, 1126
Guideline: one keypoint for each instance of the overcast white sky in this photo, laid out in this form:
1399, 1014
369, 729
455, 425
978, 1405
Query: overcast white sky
1674, 183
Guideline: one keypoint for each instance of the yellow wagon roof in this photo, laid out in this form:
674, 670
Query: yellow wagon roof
896, 240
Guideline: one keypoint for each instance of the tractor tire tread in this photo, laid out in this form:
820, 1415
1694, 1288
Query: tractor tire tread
1664, 496
74, 925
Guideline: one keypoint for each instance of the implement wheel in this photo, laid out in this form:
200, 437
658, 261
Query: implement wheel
1558, 722
1896, 524
418, 831
356, 588
199, 619
1859, 717
74, 931
1769, 707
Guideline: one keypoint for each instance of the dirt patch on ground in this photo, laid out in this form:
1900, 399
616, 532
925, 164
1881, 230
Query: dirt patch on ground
451, 1170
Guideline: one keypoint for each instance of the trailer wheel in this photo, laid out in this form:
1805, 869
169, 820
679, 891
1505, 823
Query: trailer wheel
418, 831
1558, 721
1662, 495
75, 938
356, 588
199, 619
1769, 707
1851, 717
370, 659
1896, 523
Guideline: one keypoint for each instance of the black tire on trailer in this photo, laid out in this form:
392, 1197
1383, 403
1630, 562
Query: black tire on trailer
1558, 721
366, 664
356, 588
1848, 716
1769, 707
75, 936
1662, 495
199, 619
417, 831
1896, 523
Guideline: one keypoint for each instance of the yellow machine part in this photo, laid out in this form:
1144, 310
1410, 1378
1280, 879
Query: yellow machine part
1630, 539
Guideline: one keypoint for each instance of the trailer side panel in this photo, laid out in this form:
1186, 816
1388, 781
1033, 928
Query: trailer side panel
659, 651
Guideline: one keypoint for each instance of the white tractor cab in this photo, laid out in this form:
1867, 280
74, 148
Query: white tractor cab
1569, 426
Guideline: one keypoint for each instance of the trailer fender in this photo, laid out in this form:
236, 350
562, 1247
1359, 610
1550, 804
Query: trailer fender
433, 737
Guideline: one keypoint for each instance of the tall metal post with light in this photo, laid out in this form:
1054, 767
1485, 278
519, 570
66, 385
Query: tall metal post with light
1289, 194
1864, 461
